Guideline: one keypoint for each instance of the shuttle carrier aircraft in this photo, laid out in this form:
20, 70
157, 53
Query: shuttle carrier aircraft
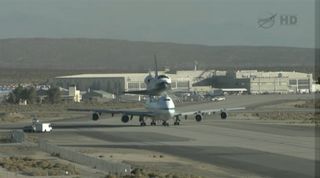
158, 109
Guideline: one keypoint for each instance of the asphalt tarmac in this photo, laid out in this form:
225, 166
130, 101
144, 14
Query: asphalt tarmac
263, 149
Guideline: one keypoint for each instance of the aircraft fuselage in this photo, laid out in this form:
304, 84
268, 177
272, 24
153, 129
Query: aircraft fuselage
163, 108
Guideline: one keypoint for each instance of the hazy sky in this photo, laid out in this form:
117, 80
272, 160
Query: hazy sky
208, 22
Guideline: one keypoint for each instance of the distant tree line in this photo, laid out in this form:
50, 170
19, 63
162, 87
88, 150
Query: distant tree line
53, 95
29, 94
20, 93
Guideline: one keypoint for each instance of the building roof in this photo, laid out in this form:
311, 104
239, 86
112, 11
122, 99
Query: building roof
284, 74
180, 74
102, 75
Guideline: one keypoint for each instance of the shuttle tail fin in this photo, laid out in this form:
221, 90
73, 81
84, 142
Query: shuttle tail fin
155, 66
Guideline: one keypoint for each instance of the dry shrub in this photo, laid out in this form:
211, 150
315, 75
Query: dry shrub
55, 172
38, 173
140, 173
285, 115
13, 117
58, 166
155, 175
110, 176
31, 167
12, 168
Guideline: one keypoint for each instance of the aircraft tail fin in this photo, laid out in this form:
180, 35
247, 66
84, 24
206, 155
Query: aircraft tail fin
155, 66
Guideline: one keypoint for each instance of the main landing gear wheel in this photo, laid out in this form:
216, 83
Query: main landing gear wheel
153, 123
165, 123
177, 121
142, 122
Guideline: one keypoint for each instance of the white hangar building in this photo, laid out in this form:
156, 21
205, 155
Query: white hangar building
259, 82
119, 82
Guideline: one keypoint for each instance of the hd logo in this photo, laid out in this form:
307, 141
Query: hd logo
272, 19
288, 20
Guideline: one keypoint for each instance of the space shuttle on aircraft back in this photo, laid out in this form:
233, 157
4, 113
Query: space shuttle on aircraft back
155, 85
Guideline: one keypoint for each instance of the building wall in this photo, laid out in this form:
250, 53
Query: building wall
268, 85
265, 82
175, 84
75, 94
230, 82
111, 85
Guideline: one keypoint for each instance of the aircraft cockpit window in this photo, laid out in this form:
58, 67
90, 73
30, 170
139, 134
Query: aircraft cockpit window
167, 99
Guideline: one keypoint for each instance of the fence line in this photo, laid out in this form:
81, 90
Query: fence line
103, 165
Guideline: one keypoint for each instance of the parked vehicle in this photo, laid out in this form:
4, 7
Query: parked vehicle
37, 126
218, 98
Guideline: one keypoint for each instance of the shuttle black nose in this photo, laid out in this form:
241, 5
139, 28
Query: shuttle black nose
168, 85
164, 85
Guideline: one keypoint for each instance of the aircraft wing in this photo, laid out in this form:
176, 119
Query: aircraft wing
115, 111
145, 92
139, 92
208, 111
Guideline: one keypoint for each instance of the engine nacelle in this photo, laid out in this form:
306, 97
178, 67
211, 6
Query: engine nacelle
198, 117
125, 118
96, 116
223, 115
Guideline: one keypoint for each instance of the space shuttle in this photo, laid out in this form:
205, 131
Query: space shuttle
156, 84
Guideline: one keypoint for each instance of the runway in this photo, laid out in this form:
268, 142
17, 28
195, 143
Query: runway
263, 148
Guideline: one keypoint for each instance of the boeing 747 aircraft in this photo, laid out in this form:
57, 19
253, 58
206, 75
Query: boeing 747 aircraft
158, 109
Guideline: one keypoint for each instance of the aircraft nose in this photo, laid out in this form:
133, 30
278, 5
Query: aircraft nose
165, 85
167, 80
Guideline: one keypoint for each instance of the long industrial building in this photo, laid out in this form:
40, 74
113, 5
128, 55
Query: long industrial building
253, 81
259, 82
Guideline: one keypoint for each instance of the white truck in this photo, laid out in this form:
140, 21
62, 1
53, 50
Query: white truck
38, 126
218, 98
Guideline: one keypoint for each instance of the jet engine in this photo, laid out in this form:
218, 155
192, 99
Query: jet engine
198, 117
223, 115
125, 118
96, 116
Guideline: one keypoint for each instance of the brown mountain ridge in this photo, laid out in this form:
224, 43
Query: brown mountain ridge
122, 55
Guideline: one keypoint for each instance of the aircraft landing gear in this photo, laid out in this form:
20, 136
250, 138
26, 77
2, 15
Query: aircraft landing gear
165, 123
177, 121
153, 123
142, 122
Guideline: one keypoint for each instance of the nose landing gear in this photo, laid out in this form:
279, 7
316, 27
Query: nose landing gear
164, 123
